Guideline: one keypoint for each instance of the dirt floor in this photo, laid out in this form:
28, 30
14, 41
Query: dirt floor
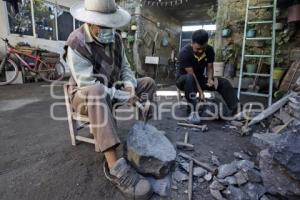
37, 160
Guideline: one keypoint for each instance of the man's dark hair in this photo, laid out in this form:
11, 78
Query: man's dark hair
200, 37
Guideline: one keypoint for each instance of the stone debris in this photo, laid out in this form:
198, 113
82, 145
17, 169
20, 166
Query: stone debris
235, 193
198, 171
281, 184
241, 155
263, 141
254, 191
286, 151
216, 194
216, 185
264, 197
244, 164
208, 177
215, 160
253, 176
179, 176
149, 151
241, 178
227, 170
230, 180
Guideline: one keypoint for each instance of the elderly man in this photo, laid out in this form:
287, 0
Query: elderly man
97, 60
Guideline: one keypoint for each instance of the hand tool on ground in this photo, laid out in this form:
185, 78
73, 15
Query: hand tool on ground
202, 127
284, 126
206, 166
185, 145
190, 186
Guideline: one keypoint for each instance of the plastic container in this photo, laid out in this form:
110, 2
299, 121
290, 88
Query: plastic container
218, 68
226, 32
251, 68
251, 33
294, 13
229, 71
278, 73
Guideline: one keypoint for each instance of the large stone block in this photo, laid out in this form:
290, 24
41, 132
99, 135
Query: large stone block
276, 179
149, 151
286, 151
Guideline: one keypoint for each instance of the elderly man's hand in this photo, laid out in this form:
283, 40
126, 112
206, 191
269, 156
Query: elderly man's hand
131, 91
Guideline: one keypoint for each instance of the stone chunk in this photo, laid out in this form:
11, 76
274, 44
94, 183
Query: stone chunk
199, 172
149, 151
216, 194
286, 151
216, 185
282, 183
254, 191
263, 141
215, 160
241, 178
241, 155
235, 193
244, 164
227, 170
230, 180
179, 176
254, 176
208, 176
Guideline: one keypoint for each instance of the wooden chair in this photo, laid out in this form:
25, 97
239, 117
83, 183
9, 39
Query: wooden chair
74, 125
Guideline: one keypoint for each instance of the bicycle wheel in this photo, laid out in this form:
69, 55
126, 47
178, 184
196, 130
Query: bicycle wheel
51, 72
8, 72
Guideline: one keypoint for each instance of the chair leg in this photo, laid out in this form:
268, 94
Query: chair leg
73, 130
97, 148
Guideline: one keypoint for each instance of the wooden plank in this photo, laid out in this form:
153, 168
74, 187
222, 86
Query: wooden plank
85, 139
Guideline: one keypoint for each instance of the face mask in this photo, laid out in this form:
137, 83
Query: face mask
106, 36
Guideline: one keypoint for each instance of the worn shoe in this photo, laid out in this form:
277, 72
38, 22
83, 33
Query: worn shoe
194, 118
132, 185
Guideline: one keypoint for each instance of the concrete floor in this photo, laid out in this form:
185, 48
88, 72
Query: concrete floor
37, 160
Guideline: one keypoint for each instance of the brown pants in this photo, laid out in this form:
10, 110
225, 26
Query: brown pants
93, 102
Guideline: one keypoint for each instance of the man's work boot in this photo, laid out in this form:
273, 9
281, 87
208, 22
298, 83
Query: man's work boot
132, 185
194, 118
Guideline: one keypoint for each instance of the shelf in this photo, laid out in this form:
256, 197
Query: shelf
255, 94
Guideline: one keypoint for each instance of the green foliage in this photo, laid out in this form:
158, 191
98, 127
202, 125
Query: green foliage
230, 52
219, 56
211, 12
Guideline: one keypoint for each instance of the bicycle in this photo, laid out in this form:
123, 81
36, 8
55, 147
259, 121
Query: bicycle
9, 70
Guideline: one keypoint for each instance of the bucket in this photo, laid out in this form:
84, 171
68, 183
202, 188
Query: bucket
226, 32
251, 68
294, 13
251, 33
278, 73
218, 68
229, 71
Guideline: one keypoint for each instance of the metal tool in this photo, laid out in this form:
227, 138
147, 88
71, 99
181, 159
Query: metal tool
144, 109
185, 145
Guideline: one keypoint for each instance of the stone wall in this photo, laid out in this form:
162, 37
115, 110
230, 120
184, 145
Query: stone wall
232, 13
